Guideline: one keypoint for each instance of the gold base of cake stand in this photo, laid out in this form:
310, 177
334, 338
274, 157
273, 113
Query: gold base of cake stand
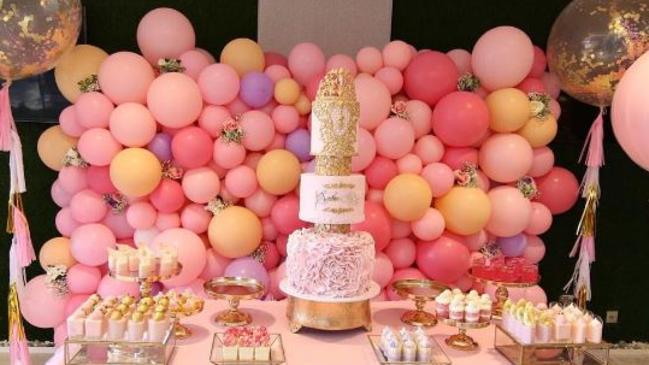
421, 291
461, 341
234, 290
501, 294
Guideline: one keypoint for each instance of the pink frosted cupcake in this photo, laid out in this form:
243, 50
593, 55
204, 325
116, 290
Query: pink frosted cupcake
472, 312
456, 310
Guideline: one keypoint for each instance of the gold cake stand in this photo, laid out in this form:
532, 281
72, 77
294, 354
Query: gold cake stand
234, 290
420, 291
502, 292
461, 341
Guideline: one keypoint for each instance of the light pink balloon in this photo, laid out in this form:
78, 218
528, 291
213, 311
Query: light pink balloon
175, 100
286, 118
366, 150
125, 77
342, 61
402, 252
542, 161
59, 195
260, 203
132, 125
191, 254
89, 244
37, 296
409, 163
440, 177
88, 207
241, 181
397, 54
462, 60
201, 185
395, 137
92, 110
73, 179
391, 78
82, 279
215, 265
69, 123
113, 287
420, 114
219, 84
166, 221
118, 225
194, 61
228, 154
305, 61
369, 60
164, 33
400, 229
552, 84
212, 118
141, 215
383, 270
277, 72
535, 249
510, 211
429, 149
195, 218
430, 226
502, 57
375, 101
65, 223
540, 219
258, 130
97, 146
505, 157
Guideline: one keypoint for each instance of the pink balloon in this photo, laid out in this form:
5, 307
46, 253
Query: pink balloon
191, 254
409, 163
73, 179
277, 72
419, 114
168, 197
429, 149
535, 249
400, 229
143, 237
82, 279
118, 224
165, 221
369, 60
59, 195
342, 61
164, 33
532, 85
558, 190
76, 300
445, 259
125, 77
269, 231
219, 84
465, 283
502, 57
279, 142
92, 110
195, 218
215, 265
540, 219
276, 277
430, 76
274, 58
69, 123
377, 223
36, 296
212, 118
252, 159
113, 287
391, 78
65, 223
380, 171
88, 207
98, 178
97, 146
380, 297
430, 226
305, 61
192, 147
228, 154
509, 147
397, 54
555, 109
460, 119
375, 101
260, 203
440, 177
175, 100
89, 244
241, 181
366, 150
394, 138
510, 211
552, 84
383, 270
132, 125
141, 215
281, 242
542, 161
539, 64
194, 61
237, 106
536, 295
475, 241
375, 196
201, 185
456, 157
258, 130
285, 214
402, 252
462, 60
407, 273
286, 118
311, 88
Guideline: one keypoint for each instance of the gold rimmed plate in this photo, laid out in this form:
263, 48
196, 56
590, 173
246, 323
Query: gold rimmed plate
234, 290
420, 291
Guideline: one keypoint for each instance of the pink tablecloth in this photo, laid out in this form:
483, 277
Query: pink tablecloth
315, 347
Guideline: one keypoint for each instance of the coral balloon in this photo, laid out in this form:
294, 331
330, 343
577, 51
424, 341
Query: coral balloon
149, 172
460, 119
407, 197
164, 33
241, 181
141, 215
558, 190
402, 252
369, 60
89, 244
380, 171
395, 137
228, 154
244, 55
505, 157
132, 125
542, 161
429, 76
76, 66
466, 210
419, 114
52, 145
377, 223
175, 100
37, 295
366, 151
235, 232
125, 77
278, 172
391, 78
509, 110
191, 254
457, 157
258, 130
375, 101
444, 259
462, 59
284, 215
56, 251
429, 148
168, 197
192, 147
510, 211
194, 61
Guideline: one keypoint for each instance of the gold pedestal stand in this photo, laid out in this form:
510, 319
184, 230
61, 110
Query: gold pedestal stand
234, 290
502, 294
461, 341
421, 291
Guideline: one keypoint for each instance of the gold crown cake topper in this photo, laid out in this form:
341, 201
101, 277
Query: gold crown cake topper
337, 83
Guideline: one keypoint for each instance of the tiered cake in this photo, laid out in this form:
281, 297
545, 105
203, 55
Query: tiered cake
328, 263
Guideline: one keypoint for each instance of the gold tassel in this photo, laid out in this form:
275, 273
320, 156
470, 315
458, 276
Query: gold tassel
14, 319
586, 227
15, 202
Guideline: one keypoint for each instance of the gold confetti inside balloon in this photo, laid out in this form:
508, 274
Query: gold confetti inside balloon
593, 42
34, 34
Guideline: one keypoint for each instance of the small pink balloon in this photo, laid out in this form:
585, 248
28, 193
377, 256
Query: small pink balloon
219, 84
175, 100
212, 118
164, 33
366, 150
237, 106
92, 110
207, 54
286, 118
508, 147
269, 231
76, 300
540, 219
241, 181
258, 130
552, 84
444, 259
420, 115
252, 160
462, 59
402, 252
260, 203
342, 61
82, 279
395, 137
465, 283
90, 242
37, 295
409, 163
125, 77
540, 63
113, 287
73, 179
201, 185
429, 149
400, 229
194, 61
279, 142
59, 195
510, 211
132, 125
277, 72
536, 295
375, 101
456, 157
88, 207
377, 223
383, 270
555, 109
99, 179
215, 265
440, 177
305, 61
191, 254
397, 54
285, 214
141, 215
69, 123
375, 196
391, 78
225, 194
276, 277
65, 223
475, 241
483, 181
369, 60
430, 226
380, 171
191, 147
97, 146
281, 242
228, 154
407, 273
195, 218
118, 224
542, 161
168, 197
535, 249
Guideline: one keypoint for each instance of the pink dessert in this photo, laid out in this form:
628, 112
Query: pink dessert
95, 325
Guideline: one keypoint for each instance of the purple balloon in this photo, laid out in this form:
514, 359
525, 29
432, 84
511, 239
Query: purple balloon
299, 142
513, 246
160, 146
248, 267
256, 89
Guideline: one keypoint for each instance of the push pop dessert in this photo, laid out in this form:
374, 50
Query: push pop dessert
405, 345
143, 262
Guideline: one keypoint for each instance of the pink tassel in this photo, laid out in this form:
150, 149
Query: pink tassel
6, 119
18, 349
595, 143
25, 250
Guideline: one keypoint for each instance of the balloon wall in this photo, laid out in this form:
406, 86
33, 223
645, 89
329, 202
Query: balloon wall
174, 146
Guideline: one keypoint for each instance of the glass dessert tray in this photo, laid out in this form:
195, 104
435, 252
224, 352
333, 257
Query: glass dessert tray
373, 291
438, 357
277, 355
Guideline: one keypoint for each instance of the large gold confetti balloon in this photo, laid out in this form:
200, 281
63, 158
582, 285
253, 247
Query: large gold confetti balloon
593, 42
34, 34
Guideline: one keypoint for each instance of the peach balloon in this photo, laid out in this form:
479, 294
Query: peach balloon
228, 154
212, 118
56, 251
407, 197
195, 218
430, 226
505, 157
342, 61
125, 77
394, 137
149, 172
429, 148
194, 61
52, 145
219, 84
510, 211
241, 181
400, 229
201, 185
132, 125
366, 151
466, 210
397, 54
75, 66
165, 221
287, 91
369, 60
509, 110
175, 100
244, 55
235, 232
97, 146
375, 101
164, 33
539, 132
278, 172
542, 162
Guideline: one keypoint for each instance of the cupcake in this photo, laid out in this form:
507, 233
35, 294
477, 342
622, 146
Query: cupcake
486, 307
473, 295
442, 303
472, 312
456, 310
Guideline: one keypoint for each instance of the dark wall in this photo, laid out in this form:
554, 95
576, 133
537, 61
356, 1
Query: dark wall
618, 274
